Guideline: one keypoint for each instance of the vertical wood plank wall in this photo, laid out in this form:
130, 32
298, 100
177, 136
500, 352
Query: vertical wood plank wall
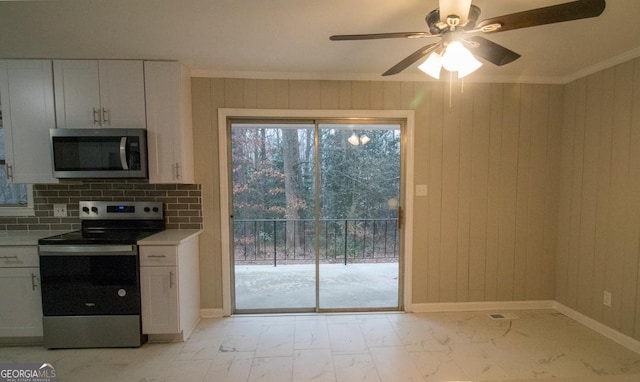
599, 215
490, 156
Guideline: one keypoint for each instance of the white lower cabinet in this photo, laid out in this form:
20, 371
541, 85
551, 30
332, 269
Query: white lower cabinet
160, 313
170, 289
21, 315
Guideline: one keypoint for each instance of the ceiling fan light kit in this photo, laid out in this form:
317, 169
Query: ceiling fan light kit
454, 20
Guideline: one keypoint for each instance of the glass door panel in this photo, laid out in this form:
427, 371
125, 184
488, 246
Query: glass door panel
359, 191
273, 216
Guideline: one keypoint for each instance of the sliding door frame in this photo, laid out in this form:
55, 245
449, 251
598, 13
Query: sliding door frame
407, 168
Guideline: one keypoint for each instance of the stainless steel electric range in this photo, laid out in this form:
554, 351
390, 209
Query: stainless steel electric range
91, 278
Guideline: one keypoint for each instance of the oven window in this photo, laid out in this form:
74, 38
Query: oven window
90, 285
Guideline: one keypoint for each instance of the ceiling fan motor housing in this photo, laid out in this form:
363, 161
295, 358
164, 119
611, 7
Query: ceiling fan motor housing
436, 26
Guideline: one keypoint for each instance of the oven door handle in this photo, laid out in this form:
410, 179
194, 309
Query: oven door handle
87, 250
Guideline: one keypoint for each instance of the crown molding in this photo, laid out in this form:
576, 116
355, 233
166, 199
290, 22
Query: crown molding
207, 73
551, 80
612, 61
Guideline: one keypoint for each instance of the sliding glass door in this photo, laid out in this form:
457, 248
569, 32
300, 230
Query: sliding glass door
359, 196
315, 215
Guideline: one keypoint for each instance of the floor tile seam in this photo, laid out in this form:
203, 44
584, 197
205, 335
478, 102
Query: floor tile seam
253, 364
451, 359
333, 367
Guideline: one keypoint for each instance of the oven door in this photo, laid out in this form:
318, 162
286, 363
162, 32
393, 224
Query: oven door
89, 280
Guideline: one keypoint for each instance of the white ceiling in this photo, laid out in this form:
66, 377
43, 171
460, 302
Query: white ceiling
290, 38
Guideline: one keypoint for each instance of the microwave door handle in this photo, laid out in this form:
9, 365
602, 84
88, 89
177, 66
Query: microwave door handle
123, 153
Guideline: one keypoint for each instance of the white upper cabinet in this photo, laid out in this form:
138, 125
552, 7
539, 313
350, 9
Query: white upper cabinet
105, 93
169, 122
26, 98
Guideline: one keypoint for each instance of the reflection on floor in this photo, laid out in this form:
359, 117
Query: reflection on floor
367, 285
460, 346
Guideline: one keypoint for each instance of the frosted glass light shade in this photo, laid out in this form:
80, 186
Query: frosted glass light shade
453, 56
432, 65
457, 58
468, 66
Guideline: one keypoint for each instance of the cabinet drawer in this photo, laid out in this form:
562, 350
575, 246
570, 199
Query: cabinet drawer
156, 255
19, 257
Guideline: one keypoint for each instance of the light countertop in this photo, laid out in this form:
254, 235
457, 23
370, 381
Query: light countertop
19, 238
170, 237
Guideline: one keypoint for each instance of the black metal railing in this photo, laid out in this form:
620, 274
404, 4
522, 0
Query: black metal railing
292, 241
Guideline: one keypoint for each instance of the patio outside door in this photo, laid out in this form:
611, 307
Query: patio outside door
315, 215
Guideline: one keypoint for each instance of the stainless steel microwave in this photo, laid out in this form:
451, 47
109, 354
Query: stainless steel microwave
99, 153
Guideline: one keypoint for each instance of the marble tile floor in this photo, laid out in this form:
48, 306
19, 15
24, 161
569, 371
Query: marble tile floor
462, 346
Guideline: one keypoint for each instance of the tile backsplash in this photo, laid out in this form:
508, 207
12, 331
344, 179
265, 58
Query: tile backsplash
182, 203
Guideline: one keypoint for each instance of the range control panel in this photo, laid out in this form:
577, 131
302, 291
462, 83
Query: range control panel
121, 210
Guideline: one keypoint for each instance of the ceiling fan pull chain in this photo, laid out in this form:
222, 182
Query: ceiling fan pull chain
450, 90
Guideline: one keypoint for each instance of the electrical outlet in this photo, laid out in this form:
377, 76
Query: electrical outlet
606, 298
60, 210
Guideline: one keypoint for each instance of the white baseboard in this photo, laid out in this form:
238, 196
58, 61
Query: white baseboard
614, 335
211, 313
480, 306
620, 338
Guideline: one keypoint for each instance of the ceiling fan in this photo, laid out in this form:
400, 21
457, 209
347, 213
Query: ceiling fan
455, 22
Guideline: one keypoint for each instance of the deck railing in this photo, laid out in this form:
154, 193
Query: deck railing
291, 241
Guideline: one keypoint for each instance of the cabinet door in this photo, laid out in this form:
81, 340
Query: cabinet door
21, 315
159, 292
169, 125
77, 90
122, 94
26, 95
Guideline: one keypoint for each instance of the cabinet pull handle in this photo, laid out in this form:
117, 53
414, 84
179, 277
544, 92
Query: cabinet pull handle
156, 256
177, 170
170, 280
9, 257
96, 116
9, 172
106, 116
33, 281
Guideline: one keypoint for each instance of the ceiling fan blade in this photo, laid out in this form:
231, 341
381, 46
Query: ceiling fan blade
574, 10
458, 8
413, 57
375, 36
490, 51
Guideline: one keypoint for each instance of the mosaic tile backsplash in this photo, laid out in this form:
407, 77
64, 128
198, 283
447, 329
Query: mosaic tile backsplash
182, 203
